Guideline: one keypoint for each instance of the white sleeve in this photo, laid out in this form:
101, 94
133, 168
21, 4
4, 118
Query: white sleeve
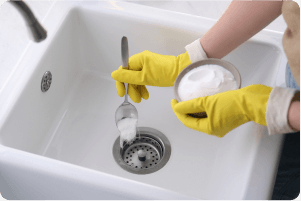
277, 109
196, 51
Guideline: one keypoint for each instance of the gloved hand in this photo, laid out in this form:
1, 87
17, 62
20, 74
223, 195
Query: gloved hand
147, 68
226, 110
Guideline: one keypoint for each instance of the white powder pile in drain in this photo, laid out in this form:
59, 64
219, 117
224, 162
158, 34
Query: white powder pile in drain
205, 81
127, 128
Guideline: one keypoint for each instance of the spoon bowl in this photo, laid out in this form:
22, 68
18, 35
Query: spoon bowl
125, 110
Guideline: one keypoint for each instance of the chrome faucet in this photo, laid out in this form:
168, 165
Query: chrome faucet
38, 32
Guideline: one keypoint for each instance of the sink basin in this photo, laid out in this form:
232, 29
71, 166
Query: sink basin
58, 144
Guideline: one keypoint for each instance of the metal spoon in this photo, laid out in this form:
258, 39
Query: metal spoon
126, 109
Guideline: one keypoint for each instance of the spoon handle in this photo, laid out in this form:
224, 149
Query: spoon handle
125, 61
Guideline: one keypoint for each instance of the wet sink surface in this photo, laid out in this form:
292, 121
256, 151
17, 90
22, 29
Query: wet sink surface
74, 122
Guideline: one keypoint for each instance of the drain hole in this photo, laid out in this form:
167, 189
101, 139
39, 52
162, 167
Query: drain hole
156, 159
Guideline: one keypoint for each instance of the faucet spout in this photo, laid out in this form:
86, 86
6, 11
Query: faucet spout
36, 29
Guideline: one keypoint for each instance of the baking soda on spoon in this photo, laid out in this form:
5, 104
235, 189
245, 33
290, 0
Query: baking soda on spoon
204, 81
127, 128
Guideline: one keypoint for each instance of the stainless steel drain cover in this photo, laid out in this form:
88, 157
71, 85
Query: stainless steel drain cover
146, 154
46, 81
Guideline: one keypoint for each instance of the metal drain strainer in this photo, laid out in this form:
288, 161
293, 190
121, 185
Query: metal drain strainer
145, 155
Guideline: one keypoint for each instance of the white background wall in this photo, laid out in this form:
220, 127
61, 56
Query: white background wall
14, 36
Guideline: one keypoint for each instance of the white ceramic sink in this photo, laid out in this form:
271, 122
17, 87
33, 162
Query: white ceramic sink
58, 144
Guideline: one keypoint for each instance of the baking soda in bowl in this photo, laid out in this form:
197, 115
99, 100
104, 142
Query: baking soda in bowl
127, 128
204, 81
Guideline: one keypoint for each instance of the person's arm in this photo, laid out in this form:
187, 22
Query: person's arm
241, 21
293, 115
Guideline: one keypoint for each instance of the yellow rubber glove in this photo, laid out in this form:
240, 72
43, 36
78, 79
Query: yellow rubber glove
147, 68
226, 110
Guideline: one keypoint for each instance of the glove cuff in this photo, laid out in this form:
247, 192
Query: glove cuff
277, 109
196, 51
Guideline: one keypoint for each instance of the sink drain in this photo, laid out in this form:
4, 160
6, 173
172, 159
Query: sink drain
146, 154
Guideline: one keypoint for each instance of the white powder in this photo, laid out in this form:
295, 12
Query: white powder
127, 128
205, 81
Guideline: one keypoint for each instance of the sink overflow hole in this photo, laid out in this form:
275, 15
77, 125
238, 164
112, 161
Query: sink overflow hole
46, 81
